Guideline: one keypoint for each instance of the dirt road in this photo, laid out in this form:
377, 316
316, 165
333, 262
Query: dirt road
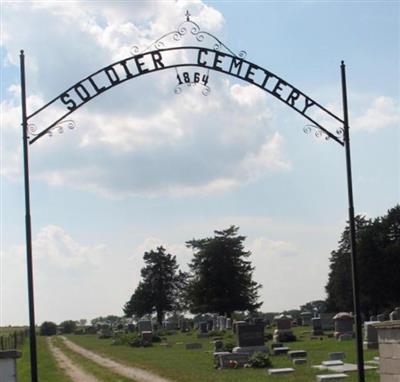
71, 369
137, 374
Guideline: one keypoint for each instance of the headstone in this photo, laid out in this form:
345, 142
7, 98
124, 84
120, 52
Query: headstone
184, 325
222, 322
165, 344
381, 317
105, 332
336, 356
231, 360
317, 326
203, 330
147, 337
373, 318
283, 331
331, 377
306, 318
250, 349
283, 322
229, 323
297, 354
250, 335
215, 323
348, 367
250, 339
218, 346
193, 345
327, 322
281, 350
203, 327
343, 324
299, 361
169, 325
276, 345
395, 315
332, 363
370, 335
144, 326
286, 370
345, 337
236, 323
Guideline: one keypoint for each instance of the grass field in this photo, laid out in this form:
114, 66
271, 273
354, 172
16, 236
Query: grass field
5, 330
183, 365
48, 371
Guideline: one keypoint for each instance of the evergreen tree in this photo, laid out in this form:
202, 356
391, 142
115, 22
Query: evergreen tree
221, 279
161, 286
378, 258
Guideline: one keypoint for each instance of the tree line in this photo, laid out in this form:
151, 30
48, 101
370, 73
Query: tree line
378, 256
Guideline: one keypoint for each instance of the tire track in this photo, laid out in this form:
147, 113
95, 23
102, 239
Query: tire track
70, 368
136, 373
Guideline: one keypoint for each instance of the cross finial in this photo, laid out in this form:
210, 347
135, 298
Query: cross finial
187, 14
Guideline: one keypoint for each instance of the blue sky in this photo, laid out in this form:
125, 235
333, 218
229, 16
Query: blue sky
145, 167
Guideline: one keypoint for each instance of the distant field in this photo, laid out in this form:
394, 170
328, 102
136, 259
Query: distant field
10, 329
183, 365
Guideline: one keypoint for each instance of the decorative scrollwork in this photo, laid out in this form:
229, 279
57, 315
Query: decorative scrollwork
339, 132
206, 89
188, 27
60, 126
32, 129
307, 129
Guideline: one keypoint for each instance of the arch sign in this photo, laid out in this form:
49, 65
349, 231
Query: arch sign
192, 64
158, 56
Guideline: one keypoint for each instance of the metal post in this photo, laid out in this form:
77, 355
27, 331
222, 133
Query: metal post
356, 289
32, 326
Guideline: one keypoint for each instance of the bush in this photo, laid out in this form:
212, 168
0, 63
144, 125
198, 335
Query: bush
216, 333
68, 326
163, 332
259, 360
268, 336
48, 328
228, 346
132, 339
121, 338
156, 338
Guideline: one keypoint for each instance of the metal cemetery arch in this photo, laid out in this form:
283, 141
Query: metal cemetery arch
155, 58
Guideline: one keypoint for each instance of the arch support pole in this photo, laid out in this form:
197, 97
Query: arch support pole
353, 246
28, 230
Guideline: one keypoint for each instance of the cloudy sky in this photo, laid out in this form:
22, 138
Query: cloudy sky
145, 166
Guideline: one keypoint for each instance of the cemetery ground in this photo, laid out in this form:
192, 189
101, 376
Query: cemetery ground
181, 365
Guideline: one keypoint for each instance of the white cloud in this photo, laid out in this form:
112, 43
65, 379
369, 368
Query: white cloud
139, 139
383, 112
67, 274
274, 248
54, 248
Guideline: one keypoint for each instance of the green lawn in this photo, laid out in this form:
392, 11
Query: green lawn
48, 371
183, 365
